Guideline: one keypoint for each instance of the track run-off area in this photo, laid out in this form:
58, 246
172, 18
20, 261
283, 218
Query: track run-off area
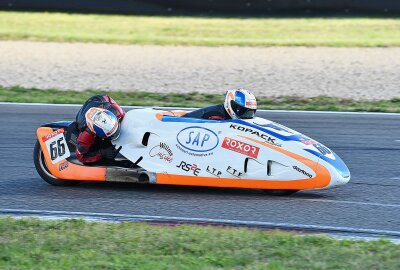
369, 205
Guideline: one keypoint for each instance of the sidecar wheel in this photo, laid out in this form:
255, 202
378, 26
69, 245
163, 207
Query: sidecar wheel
44, 172
279, 192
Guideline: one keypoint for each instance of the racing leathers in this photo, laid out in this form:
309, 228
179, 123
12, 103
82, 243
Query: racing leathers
215, 112
91, 148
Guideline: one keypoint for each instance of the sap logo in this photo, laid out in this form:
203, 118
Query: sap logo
213, 171
197, 139
234, 172
302, 171
189, 167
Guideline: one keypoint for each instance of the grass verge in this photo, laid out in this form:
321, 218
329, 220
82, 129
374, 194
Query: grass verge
76, 244
195, 99
203, 31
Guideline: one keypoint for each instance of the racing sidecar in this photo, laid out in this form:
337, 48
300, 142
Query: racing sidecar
161, 147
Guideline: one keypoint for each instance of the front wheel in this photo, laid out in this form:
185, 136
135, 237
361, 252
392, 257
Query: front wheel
43, 170
279, 192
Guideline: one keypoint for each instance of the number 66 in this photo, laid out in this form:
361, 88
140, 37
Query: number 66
57, 151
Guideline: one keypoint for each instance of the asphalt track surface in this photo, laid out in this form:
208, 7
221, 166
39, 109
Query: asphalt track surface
368, 143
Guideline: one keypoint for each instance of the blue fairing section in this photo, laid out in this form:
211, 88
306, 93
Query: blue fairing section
191, 120
295, 137
240, 98
337, 163
59, 124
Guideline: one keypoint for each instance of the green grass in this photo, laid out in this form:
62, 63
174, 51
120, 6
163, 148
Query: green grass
75, 244
204, 31
195, 99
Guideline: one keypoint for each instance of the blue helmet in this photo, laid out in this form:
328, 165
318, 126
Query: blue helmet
103, 123
240, 104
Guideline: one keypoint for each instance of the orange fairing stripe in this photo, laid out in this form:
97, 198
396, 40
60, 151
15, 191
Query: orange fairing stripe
69, 171
321, 179
322, 176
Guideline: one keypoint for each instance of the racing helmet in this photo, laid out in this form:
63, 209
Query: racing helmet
240, 104
103, 123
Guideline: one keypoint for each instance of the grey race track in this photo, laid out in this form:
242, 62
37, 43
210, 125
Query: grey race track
368, 143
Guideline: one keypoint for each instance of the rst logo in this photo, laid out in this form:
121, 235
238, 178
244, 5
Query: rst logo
197, 139
240, 147
189, 167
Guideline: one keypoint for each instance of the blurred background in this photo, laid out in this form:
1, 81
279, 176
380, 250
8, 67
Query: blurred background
210, 7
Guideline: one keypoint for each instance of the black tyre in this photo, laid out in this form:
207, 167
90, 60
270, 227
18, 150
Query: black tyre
44, 172
279, 192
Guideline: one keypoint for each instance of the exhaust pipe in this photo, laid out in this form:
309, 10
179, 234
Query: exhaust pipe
148, 177
130, 176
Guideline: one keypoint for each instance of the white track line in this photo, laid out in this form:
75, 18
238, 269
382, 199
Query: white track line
185, 108
136, 218
350, 202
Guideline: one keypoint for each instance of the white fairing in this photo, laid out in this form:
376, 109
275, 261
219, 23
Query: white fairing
251, 149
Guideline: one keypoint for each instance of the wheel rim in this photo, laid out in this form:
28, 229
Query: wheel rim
43, 166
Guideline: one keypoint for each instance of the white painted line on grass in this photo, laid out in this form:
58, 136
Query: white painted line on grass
143, 218
185, 108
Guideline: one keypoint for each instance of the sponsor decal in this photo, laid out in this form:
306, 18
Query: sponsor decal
162, 151
56, 146
213, 171
251, 104
63, 166
320, 147
307, 141
53, 134
234, 172
275, 126
240, 147
302, 171
189, 167
255, 132
197, 141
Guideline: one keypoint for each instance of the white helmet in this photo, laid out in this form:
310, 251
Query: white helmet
240, 104
103, 123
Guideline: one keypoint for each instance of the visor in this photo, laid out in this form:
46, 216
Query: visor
116, 133
243, 112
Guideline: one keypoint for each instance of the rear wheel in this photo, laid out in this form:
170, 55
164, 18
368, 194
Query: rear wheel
43, 170
279, 192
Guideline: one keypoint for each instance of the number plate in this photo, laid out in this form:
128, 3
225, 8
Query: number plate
56, 146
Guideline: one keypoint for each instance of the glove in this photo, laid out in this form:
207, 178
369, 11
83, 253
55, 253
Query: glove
109, 152
215, 117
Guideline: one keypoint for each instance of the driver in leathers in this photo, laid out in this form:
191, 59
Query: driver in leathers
98, 122
238, 104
